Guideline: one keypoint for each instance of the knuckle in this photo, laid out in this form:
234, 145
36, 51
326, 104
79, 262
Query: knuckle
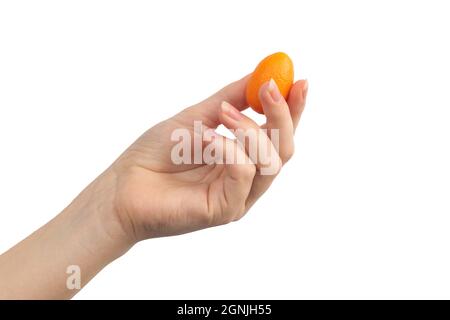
240, 215
234, 214
287, 154
271, 166
227, 217
246, 171
237, 218
249, 171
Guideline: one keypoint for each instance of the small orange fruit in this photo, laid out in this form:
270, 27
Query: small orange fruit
277, 66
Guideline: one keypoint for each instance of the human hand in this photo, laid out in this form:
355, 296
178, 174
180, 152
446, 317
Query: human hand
145, 194
154, 197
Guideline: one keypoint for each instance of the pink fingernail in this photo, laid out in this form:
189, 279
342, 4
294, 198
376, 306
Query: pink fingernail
230, 111
305, 89
274, 91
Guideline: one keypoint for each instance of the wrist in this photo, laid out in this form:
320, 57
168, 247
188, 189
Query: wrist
93, 216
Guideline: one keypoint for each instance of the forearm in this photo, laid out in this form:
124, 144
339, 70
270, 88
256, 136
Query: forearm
84, 235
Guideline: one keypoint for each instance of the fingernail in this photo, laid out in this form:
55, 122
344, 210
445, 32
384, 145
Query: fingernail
305, 89
230, 111
274, 91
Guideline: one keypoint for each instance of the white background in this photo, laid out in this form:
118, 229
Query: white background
361, 211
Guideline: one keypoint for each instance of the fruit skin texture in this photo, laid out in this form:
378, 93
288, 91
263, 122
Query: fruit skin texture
277, 66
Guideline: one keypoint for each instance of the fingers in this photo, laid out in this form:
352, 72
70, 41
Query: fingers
252, 138
266, 158
237, 184
282, 117
279, 121
297, 100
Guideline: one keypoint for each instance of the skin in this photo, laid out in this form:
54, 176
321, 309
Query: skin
143, 195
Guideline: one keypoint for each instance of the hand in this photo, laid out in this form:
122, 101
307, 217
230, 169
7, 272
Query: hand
144, 194
155, 197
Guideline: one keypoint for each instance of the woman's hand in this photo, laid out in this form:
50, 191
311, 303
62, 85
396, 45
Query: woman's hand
146, 194
155, 197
